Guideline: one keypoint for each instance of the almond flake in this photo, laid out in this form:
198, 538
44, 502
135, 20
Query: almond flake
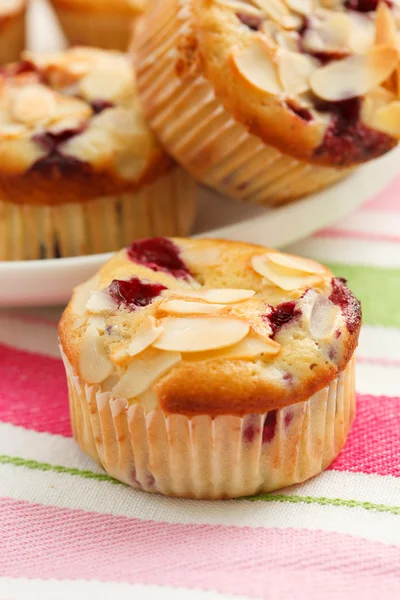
202, 257
148, 400
302, 7
101, 302
297, 263
218, 296
94, 364
386, 33
387, 120
278, 12
110, 83
256, 66
322, 319
249, 348
11, 131
329, 35
196, 334
355, 75
295, 71
284, 278
147, 333
143, 372
187, 307
33, 104
99, 322
81, 296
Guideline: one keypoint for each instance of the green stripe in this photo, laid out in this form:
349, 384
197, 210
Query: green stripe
377, 288
33, 464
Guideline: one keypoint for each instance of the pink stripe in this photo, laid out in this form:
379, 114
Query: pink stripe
33, 395
358, 235
374, 360
387, 199
374, 442
47, 542
33, 391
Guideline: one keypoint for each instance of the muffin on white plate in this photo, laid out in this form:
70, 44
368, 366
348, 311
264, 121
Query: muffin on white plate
12, 29
80, 170
103, 23
211, 369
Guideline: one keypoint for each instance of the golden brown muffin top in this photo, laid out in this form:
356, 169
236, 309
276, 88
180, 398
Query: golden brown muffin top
130, 7
319, 79
72, 129
210, 327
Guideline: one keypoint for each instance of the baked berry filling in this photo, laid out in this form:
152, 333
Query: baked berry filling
51, 142
304, 113
365, 5
158, 254
347, 139
100, 105
349, 305
134, 293
282, 314
251, 21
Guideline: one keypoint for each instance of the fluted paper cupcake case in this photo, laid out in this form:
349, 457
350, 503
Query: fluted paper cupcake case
212, 458
164, 207
197, 130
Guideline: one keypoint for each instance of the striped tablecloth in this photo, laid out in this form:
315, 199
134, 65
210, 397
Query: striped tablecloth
69, 531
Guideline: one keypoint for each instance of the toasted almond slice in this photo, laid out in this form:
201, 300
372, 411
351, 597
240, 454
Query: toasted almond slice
147, 333
94, 364
255, 65
278, 12
81, 296
362, 33
33, 104
295, 71
108, 83
188, 307
11, 131
199, 257
387, 119
286, 279
99, 322
148, 400
252, 346
329, 35
218, 296
297, 263
323, 317
385, 26
196, 334
302, 7
240, 6
355, 75
144, 371
101, 302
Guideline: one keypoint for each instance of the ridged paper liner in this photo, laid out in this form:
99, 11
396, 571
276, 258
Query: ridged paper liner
12, 36
93, 27
200, 133
201, 457
164, 207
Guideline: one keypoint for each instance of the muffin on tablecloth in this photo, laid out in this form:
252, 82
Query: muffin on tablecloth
211, 369
269, 100
103, 23
12, 29
80, 171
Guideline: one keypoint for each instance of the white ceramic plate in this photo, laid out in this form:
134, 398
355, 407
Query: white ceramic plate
49, 282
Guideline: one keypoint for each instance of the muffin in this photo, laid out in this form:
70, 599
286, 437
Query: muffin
210, 369
103, 23
12, 29
80, 170
267, 100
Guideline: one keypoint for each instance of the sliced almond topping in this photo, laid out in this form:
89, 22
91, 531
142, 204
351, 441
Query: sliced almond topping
278, 12
219, 296
187, 307
355, 75
386, 33
33, 104
148, 332
81, 296
199, 257
362, 33
295, 71
255, 65
99, 322
282, 277
148, 400
101, 302
329, 35
387, 120
249, 348
11, 131
296, 263
108, 83
196, 334
143, 372
94, 364
303, 7
322, 318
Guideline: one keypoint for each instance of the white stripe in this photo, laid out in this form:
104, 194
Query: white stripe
64, 491
378, 380
21, 589
367, 221
349, 251
379, 342
33, 336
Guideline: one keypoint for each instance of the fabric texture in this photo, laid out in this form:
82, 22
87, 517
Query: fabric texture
70, 531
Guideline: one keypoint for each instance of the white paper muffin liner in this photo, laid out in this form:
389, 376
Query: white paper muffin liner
164, 207
197, 130
212, 458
